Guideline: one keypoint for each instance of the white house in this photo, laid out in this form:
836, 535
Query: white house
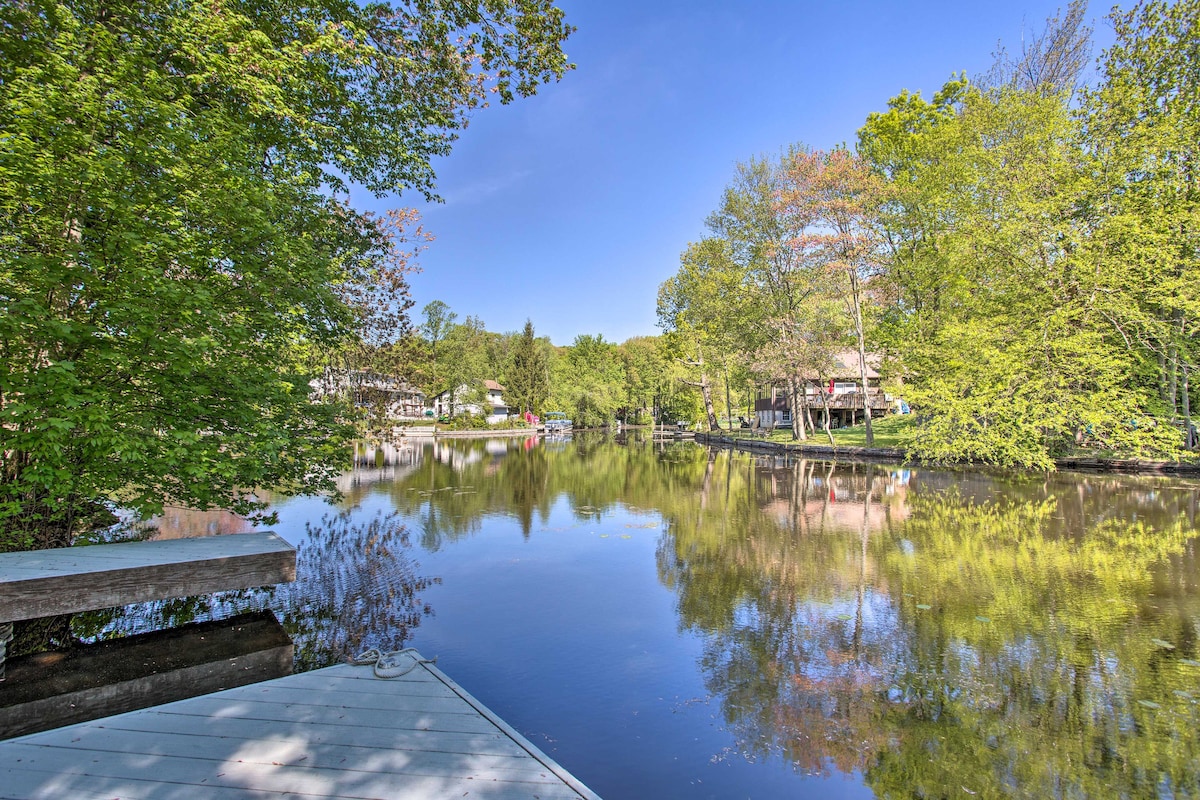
460, 401
391, 397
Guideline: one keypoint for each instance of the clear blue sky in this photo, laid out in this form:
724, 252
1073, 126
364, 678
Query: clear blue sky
571, 207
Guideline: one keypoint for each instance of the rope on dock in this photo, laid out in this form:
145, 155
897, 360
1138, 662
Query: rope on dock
392, 664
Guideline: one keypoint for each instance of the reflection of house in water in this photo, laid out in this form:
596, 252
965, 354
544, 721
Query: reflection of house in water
820, 495
380, 461
457, 458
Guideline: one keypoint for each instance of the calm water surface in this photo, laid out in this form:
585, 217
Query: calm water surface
669, 621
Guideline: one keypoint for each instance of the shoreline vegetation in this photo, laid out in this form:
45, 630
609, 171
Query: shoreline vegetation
1013, 258
892, 452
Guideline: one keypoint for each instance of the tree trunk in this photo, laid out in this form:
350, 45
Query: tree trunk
1189, 434
828, 433
808, 410
798, 431
705, 389
1172, 367
728, 399
706, 393
862, 360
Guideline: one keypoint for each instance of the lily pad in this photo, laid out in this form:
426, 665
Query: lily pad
845, 617
604, 536
626, 536
1148, 704
924, 606
1163, 645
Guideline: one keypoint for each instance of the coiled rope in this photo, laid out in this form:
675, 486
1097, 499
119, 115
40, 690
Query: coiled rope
392, 664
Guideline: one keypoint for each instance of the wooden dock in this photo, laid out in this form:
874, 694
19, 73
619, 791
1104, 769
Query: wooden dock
39, 583
338, 732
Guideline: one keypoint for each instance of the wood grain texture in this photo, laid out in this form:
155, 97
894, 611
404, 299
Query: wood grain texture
312, 736
42, 583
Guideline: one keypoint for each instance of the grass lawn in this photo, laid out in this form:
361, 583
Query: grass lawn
891, 431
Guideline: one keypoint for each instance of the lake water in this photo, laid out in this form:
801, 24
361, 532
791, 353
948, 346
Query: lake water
669, 621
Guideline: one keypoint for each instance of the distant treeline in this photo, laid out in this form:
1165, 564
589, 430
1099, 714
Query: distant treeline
593, 380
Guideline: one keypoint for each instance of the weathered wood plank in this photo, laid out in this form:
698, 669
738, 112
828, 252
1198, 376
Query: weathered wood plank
321, 681
42, 583
492, 743
236, 744
50, 690
441, 703
337, 714
205, 756
279, 782
85, 742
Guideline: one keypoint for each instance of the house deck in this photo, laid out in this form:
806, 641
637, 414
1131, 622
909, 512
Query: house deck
338, 732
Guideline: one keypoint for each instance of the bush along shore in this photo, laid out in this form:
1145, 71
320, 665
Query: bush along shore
899, 456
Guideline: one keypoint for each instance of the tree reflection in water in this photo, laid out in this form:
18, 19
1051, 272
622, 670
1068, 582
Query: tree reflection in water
943, 637
940, 633
356, 586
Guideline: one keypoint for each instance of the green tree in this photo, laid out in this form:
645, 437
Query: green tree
647, 376
527, 384
587, 381
464, 363
1143, 125
1003, 305
170, 237
834, 198
438, 322
692, 307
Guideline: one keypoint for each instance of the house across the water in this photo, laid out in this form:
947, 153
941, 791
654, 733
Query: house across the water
388, 397
840, 391
487, 401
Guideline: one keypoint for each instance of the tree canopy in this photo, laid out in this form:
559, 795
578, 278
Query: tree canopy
1019, 251
171, 238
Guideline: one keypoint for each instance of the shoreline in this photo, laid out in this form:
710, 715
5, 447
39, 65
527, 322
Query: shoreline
1125, 466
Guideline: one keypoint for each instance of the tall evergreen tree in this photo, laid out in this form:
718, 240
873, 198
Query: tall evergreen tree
528, 382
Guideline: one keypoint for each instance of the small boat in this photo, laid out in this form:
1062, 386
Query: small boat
556, 422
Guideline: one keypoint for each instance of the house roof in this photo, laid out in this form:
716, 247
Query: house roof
846, 364
495, 387
845, 367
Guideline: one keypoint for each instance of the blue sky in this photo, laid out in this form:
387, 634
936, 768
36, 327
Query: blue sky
571, 207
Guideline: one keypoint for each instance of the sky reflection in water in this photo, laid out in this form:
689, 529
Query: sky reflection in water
672, 622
